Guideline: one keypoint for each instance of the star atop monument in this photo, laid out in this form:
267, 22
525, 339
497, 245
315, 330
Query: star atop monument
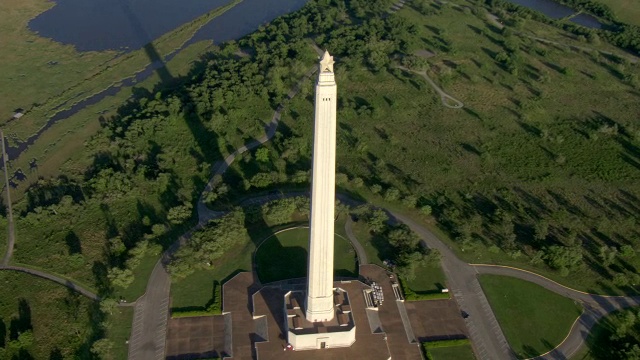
326, 63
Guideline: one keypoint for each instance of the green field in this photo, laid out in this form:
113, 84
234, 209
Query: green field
60, 321
627, 11
196, 290
118, 331
142, 273
375, 246
533, 319
293, 246
427, 284
463, 352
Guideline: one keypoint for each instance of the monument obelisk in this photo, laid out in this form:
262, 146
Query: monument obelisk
319, 305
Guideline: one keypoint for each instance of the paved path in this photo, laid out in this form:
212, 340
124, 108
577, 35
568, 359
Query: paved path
71, 285
150, 315
362, 255
11, 238
148, 333
445, 98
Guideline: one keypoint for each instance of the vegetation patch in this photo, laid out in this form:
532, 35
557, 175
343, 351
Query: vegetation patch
533, 319
463, 352
212, 307
454, 349
427, 284
616, 336
44, 320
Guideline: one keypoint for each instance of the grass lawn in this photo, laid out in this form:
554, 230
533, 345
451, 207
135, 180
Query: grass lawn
119, 330
292, 246
429, 278
196, 290
60, 319
374, 246
141, 276
462, 352
534, 320
626, 10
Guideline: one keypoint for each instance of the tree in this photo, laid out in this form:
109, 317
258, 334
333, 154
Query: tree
540, 231
342, 179
426, 210
627, 252
120, 277
403, 239
407, 264
357, 182
210, 243
410, 201
563, 258
25, 339
107, 305
179, 214
116, 246
376, 188
607, 255
620, 280
279, 211
377, 220
262, 155
392, 194
102, 348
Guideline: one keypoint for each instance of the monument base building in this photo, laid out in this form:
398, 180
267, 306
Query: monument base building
302, 334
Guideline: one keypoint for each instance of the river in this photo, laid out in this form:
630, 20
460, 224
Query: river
138, 29
126, 25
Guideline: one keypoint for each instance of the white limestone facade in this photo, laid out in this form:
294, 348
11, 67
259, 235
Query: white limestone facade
305, 335
319, 302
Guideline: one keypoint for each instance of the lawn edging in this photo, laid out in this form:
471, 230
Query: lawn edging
213, 307
426, 345
410, 295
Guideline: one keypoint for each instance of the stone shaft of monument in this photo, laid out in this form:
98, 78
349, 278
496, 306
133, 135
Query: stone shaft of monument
319, 304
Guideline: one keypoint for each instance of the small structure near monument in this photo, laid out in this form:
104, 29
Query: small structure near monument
306, 335
17, 114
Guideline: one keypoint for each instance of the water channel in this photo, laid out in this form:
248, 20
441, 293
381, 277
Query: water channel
555, 10
128, 25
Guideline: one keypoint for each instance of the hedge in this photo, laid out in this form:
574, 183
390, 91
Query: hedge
425, 346
445, 343
411, 295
